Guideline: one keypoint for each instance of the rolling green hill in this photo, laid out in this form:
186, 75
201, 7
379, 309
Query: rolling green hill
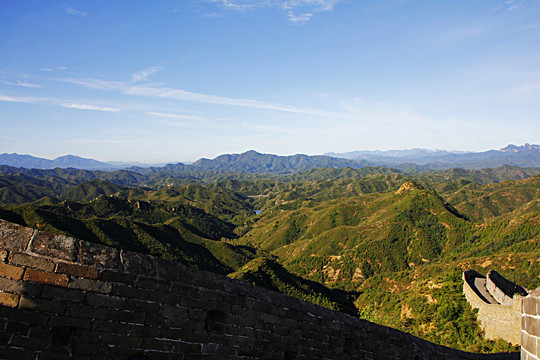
389, 243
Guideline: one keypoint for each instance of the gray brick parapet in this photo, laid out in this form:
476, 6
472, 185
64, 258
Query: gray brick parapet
530, 331
63, 298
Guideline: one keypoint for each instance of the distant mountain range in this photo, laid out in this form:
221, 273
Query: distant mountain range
423, 159
63, 162
256, 163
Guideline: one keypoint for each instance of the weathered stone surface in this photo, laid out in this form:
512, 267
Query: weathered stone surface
86, 272
44, 277
90, 285
7, 299
32, 261
14, 237
99, 256
139, 263
57, 246
42, 305
12, 272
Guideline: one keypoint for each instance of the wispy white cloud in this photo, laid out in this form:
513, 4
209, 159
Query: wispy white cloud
71, 11
23, 99
58, 102
180, 94
300, 19
144, 74
54, 69
298, 11
509, 5
176, 116
89, 107
22, 83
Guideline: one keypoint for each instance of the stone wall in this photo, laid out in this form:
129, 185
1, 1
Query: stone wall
530, 333
62, 298
497, 321
502, 289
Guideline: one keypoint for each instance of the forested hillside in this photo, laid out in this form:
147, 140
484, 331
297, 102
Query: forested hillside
373, 242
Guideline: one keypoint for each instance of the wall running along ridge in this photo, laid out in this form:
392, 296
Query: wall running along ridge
497, 321
63, 298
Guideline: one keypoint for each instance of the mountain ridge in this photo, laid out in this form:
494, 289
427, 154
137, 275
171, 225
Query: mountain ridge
253, 162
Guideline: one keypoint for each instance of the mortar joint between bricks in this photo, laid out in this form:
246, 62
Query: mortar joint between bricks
29, 245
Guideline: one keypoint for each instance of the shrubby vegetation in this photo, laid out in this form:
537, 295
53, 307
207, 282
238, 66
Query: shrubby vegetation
383, 245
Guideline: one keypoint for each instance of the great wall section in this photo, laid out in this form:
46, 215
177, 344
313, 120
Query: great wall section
505, 310
63, 298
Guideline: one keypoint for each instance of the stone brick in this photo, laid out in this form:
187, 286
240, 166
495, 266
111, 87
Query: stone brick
155, 320
105, 326
12, 272
44, 277
529, 305
13, 353
528, 342
141, 306
120, 352
69, 322
90, 285
165, 297
77, 270
532, 326
89, 350
145, 331
7, 299
158, 344
17, 328
100, 256
170, 270
174, 311
117, 277
63, 294
56, 246
153, 284
32, 261
90, 312
24, 316
19, 287
129, 292
137, 263
130, 317
14, 237
34, 344
105, 301
126, 341
42, 305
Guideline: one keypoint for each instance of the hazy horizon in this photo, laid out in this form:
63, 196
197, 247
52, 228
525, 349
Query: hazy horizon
269, 153
178, 81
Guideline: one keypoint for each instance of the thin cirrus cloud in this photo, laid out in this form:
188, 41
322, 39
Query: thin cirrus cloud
298, 11
71, 11
89, 107
144, 74
22, 84
176, 116
180, 94
58, 102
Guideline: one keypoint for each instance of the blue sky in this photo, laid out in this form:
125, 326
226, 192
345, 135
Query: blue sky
168, 81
